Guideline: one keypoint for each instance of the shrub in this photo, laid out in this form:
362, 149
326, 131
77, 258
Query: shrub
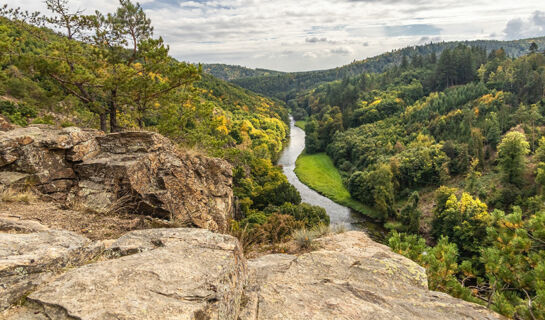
311, 215
17, 113
278, 228
304, 237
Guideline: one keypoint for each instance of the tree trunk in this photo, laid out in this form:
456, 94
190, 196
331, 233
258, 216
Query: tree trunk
103, 121
113, 113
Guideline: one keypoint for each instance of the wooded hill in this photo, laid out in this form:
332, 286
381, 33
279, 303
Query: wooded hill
110, 72
229, 72
451, 150
284, 86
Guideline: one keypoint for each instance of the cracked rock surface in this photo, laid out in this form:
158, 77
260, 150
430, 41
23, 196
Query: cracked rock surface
166, 274
29, 259
349, 277
137, 172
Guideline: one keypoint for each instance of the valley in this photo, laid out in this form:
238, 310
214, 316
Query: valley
406, 184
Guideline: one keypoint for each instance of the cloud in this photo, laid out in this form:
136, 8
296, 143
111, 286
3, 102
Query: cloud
518, 28
342, 50
315, 40
425, 40
302, 35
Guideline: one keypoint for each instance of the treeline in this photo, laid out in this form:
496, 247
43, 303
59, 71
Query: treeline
287, 85
450, 150
230, 72
110, 72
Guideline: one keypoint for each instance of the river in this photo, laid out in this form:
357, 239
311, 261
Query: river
338, 214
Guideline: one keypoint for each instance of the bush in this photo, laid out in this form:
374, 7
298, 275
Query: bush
304, 237
17, 113
278, 228
310, 215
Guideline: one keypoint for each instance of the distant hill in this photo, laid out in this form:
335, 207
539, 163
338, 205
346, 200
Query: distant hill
284, 85
229, 72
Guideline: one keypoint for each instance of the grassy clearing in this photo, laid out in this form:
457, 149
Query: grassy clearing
318, 172
301, 124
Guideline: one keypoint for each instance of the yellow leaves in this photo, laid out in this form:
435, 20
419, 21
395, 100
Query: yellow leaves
223, 123
376, 102
489, 99
223, 129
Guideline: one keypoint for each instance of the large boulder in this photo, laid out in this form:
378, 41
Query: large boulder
29, 259
153, 274
140, 172
39, 155
349, 277
143, 172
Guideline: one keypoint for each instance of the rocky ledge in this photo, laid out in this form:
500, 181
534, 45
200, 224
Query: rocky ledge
198, 274
140, 172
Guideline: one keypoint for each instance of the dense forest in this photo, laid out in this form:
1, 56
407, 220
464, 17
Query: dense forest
286, 85
450, 149
109, 72
228, 72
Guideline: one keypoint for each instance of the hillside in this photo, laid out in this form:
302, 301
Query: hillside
67, 80
229, 72
450, 149
284, 86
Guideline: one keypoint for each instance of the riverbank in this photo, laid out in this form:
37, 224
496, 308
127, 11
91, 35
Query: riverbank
301, 124
318, 172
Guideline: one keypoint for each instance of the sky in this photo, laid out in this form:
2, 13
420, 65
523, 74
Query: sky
301, 35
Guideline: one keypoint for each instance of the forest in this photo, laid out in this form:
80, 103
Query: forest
445, 141
286, 86
450, 149
110, 72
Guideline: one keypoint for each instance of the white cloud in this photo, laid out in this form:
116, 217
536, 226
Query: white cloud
316, 34
518, 28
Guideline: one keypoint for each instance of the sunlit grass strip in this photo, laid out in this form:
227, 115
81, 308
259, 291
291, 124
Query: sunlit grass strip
318, 172
301, 124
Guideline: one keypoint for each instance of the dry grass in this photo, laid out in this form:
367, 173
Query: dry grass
304, 237
337, 228
93, 225
12, 195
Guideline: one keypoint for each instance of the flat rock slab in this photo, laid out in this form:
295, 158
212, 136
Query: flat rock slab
27, 260
350, 277
161, 274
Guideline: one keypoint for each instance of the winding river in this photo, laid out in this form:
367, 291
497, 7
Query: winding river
338, 214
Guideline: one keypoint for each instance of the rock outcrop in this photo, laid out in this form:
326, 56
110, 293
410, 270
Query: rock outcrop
149, 274
141, 172
349, 277
29, 259
201, 275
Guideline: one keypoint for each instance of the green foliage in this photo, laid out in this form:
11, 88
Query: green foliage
410, 214
311, 215
283, 86
375, 187
440, 262
463, 220
511, 152
515, 264
17, 113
